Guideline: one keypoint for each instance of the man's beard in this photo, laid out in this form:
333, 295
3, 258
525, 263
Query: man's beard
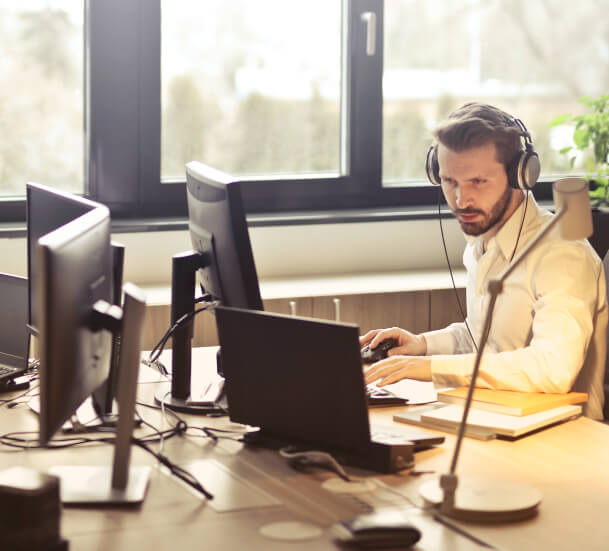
489, 219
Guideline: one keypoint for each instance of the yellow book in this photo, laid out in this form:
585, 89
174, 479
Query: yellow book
511, 402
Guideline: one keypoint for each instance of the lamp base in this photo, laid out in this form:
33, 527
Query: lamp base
479, 499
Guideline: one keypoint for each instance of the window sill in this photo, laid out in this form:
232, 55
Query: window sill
295, 218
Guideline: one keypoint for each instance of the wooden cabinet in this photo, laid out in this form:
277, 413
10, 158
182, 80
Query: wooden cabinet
444, 308
377, 310
301, 306
416, 311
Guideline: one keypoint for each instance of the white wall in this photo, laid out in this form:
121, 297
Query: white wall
289, 251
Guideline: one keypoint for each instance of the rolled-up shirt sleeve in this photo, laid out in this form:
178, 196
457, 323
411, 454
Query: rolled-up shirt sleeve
453, 339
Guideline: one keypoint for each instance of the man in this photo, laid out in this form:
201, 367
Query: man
549, 325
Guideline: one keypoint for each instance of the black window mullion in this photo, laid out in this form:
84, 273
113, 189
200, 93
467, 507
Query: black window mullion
152, 193
364, 99
112, 102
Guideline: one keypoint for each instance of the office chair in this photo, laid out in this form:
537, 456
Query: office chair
606, 381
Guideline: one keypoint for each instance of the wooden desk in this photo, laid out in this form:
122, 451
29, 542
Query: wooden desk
568, 463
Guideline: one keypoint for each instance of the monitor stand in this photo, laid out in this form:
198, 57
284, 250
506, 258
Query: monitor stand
121, 484
177, 395
103, 398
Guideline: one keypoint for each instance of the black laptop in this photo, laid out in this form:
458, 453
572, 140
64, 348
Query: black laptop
14, 336
301, 382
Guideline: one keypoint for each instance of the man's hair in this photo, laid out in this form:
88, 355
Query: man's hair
475, 124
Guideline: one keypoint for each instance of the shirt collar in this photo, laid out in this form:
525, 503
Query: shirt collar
505, 237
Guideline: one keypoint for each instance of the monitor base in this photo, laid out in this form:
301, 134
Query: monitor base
91, 485
163, 396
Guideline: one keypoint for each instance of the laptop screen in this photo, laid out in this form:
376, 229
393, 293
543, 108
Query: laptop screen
13, 320
299, 380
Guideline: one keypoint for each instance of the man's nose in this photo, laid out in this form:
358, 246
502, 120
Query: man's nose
464, 196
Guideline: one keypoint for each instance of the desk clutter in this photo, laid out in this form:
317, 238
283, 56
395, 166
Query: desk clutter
264, 486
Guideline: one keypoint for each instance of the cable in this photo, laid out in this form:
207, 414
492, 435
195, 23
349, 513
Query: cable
450, 270
158, 348
524, 213
301, 459
15, 440
174, 469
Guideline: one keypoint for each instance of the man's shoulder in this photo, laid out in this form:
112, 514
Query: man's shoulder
563, 253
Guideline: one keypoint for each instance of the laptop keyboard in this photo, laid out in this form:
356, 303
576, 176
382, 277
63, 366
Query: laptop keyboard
6, 370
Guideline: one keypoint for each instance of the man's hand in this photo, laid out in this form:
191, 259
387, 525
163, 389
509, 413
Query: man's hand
395, 368
408, 343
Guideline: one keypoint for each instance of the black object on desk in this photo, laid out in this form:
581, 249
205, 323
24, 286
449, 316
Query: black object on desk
377, 397
30, 511
377, 530
379, 352
301, 381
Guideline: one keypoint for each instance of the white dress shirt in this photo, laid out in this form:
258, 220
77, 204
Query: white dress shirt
549, 326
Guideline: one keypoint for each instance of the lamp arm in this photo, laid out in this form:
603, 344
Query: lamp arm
494, 292
495, 287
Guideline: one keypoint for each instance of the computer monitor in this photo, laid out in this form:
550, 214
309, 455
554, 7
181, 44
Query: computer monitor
76, 325
46, 210
221, 262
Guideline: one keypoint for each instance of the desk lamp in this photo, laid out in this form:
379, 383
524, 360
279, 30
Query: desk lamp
487, 500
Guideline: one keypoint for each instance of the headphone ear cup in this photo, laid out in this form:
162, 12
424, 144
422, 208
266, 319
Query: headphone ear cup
523, 171
529, 169
432, 168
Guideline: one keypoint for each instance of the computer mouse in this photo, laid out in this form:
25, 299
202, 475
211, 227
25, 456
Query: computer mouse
378, 530
372, 355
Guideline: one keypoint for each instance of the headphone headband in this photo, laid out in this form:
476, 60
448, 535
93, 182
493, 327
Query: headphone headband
522, 171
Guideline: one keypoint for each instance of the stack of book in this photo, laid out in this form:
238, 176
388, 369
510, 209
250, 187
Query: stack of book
493, 413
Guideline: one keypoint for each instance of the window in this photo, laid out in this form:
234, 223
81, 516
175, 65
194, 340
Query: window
286, 94
251, 87
533, 59
41, 100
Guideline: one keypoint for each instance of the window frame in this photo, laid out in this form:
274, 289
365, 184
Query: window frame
123, 125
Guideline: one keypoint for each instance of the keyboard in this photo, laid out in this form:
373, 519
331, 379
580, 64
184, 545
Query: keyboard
382, 397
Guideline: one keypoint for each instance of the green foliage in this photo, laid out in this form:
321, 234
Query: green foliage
591, 137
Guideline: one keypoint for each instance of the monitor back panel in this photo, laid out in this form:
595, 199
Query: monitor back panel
298, 379
13, 321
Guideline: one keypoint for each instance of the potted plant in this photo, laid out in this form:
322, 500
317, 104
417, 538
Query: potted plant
591, 143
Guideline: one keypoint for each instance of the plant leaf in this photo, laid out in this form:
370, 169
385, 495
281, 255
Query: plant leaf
581, 138
560, 119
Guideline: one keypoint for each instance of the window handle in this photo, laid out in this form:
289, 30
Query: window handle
369, 17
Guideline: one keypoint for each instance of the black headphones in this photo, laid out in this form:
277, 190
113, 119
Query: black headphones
522, 171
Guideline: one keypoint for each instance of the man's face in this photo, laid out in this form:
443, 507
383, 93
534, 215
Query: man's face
476, 187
